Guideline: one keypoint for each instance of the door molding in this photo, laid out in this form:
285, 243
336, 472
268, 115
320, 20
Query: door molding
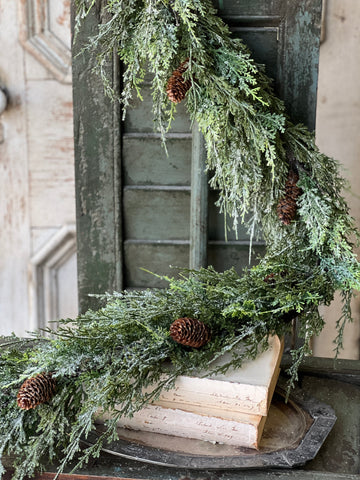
38, 37
43, 272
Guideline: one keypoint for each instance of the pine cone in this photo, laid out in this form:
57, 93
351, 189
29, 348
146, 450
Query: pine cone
36, 390
190, 332
270, 279
287, 205
177, 87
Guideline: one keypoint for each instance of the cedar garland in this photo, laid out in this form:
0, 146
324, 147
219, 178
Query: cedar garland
107, 357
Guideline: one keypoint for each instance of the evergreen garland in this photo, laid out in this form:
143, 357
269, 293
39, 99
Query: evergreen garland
108, 357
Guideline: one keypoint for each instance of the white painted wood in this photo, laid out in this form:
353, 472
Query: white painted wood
36, 162
67, 289
53, 279
51, 157
45, 34
14, 199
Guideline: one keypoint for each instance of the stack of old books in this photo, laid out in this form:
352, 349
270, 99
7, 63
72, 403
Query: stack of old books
229, 409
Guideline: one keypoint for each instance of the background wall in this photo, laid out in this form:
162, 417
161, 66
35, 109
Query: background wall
337, 134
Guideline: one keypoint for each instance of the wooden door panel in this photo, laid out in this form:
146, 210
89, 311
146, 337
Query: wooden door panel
37, 204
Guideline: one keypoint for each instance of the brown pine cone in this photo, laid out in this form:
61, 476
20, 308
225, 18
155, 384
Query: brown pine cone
177, 87
287, 205
36, 390
190, 332
270, 279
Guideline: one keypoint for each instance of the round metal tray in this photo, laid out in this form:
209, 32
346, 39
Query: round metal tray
293, 434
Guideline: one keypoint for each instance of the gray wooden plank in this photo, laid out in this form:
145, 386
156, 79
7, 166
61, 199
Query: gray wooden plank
146, 162
139, 117
157, 258
300, 60
156, 213
223, 256
256, 8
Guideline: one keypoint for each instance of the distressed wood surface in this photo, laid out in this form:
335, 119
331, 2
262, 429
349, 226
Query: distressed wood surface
14, 188
36, 157
98, 173
51, 153
275, 475
199, 202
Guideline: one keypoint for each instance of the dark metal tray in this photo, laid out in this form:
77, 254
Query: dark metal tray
293, 434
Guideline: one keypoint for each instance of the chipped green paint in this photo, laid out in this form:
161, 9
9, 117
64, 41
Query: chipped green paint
97, 155
301, 76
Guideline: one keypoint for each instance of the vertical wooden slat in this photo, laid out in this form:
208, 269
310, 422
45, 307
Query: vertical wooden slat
300, 62
97, 136
199, 202
118, 180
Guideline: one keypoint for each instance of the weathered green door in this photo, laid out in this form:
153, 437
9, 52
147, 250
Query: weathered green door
138, 208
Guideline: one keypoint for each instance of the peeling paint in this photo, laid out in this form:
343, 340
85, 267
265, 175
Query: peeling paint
64, 18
